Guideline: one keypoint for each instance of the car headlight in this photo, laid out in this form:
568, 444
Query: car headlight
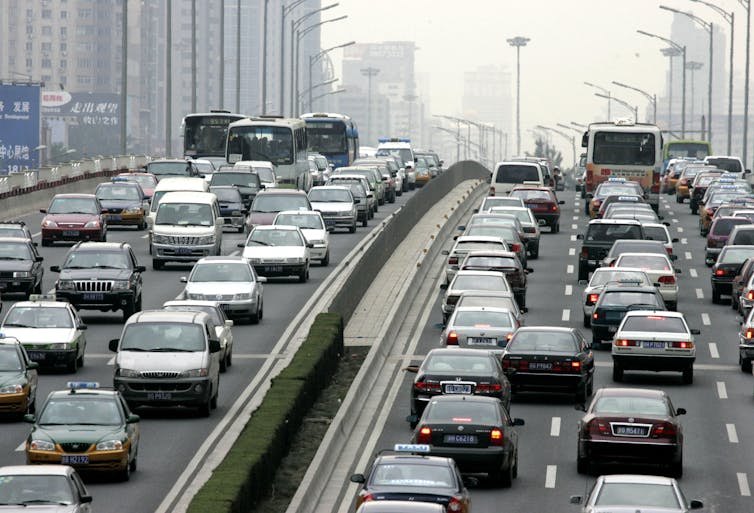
110, 445
235, 213
65, 285
206, 240
21, 274
49, 224
243, 296
318, 242
42, 445
59, 345
127, 373
254, 260
134, 210
294, 260
160, 239
195, 373
121, 285
92, 224
11, 389
194, 296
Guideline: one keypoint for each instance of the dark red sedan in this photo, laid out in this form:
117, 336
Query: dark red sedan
73, 217
542, 202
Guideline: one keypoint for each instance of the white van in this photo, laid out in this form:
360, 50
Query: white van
188, 226
509, 174
172, 184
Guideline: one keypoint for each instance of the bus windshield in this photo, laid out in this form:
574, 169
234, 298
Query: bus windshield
274, 144
624, 148
327, 137
684, 149
205, 135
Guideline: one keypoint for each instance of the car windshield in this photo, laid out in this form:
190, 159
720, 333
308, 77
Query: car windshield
645, 262
15, 251
36, 489
477, 220
412, 476
654, 323
96, 259
612, 232
330, 196
477, 282
531, 194
500, 201
80, 409
638, 495
656, 233
489, 262
229, 195
504, 232
246, 180
600, 277
73, 206
275, 238
723, 227
438, 363
38, 317
184, 214
12, 232
169, 168
163, 336
636, 246
482, 319
546, 341
462, 412
273, 203
608, 404
9, 359
617, 298
262, 142
720, 197
235, 272
303, 221
118, 192
517, 173
730, 165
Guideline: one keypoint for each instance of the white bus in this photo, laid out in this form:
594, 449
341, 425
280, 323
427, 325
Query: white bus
278, 140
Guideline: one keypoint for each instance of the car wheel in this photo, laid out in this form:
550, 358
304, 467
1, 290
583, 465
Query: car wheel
688, 376
73, 367
38, 288
128, 311
80, 360
157, 265
617, 372
587, 320
583, 271
125, 473
142, 226
229, 357
590, 386
504, 477
133, 464
745, 364
582, 465
352, 228
303, 276
581, 394
326, 261
261, 308
213, 401
206, 408
521, 300
364, 222
255, 316
534, 252
223, 365
555, 228
676, 469
715, 295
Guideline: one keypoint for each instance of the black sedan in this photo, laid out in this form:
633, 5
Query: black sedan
477, 432
505, 262
20, 266
728, 264
614, 302
631, 425
453, 371
550, 358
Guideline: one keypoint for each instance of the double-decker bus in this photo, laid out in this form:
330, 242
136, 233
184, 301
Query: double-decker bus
335, 136
278, 140
685, 148
205, 133
624, 149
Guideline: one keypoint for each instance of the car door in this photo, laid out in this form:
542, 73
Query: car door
132, 429
78, 485
136, 275
31, 374
79, 336
214, 358
510, 432
37, 269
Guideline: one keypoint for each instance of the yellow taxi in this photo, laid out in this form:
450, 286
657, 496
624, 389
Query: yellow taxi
123, 202
682, 189
18, 378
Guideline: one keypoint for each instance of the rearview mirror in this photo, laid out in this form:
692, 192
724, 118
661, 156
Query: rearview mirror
580, 407
411, 368
696, 332
576, 499
140, 269
529, 270
214, 345
580, 236
55, 268
674, 240
358, 478
680, 411
443, 286
561, 202
261, 279
30, 418
517, 422
133, 419
183, 279
113, 345
32, 366
697, 504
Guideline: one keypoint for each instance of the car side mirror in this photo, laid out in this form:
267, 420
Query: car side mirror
411, 368
445, 252
660, 217
580, 407
461, 227
580, 236
677, 271
229, 323
697, 504
680, 411
561, 202
241, 245
183, 279
356, 201
674, 240
673, 258
576, 499
140, 269
133, 419
39, 259
665, 223
83, 327
582, 282
517, 422
443, 286
529, 270
358, 478
55, 268
309, 245
525, 309
696, 332
42, 210
32, 366
113, 345
214, 345
30, 418
103, 211
476, 210
85, 499
244, 211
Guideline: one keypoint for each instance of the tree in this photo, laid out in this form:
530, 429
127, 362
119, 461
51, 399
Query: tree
543, 150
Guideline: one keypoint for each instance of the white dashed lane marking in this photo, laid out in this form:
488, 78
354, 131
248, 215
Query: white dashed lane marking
675, 220
21, 447
555, 427
743, 484
566, 315
722, 391
684, 241
569, 269
575, 218
713, 352
568, 290
692, 273
732, 434
705, 319
688, 255
574, 227
573, 238
680, 229
571, 251
699, 294
550, 476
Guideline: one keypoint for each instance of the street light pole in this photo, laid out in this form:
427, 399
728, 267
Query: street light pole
651, 97
314, 58
518, 42
747, 5
222, 54
370, 73
671, 53
634, 109
238, 56
693, 66
682, 49
124, 79
169, 78
264, 58
285, 10
609, 96
193, 55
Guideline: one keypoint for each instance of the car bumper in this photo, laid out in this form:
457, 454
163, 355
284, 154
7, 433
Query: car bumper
125, 219
234, 222
181, 253
655, 363
72, 235
51, 357
473, 459
604, 331
634, 451
339, 221
98, 461
165, 393
682, 191
96, 300
16, 284
279, 269
722, 286
14, 403
546, 381
318, 252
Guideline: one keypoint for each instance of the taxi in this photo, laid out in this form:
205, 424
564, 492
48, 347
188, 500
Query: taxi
656, 341
86, 427
40, 488
683, 187
719, 197
407, 474
123, 203
18, 378
147, 181
611, 187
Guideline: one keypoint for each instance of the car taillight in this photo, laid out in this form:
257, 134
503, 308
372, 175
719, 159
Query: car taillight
750, 295
368, 497
492, 191
428, 386
453, 260
584, 252
667, 280
515, 247
597, 427
554, 208
530, 229
596, 315
455, 505
593, 298
626, 343
656, 182
496, 437
452, 339
669, 250
719, 272
508, 337
682, 345
664, 429
684, 181
489, 387
576, 365
425, 435
749, 333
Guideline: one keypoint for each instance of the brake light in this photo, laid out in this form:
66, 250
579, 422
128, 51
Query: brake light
597, 427
593, 298
682, 345
595, 315
530, 229
749, 333
452, 339
496, 437
667, 280
554, 208
719, 272
664, 429
576, 365
750, 295
515, 247
669, 250
366, 498
584, 253
655, 182
626, 343
427, 386
455, 505
492, 191
425, 435
506, 363
509, 336
489, 387
453, 260
684, 181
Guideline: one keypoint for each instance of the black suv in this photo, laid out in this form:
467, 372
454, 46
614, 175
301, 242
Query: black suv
599, 238
20, 266
101, 276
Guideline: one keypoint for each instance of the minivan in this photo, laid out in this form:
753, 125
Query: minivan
172, 184
509, 174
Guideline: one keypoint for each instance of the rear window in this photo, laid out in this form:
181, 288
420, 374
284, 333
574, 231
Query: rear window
513, 173
654, 323
465, 247
742, 238
656, 233
644, 262
723, 227
613, 232
531, 194
490, 262
545, 341
628, 298
482, 319
600, 277
454, 363
462, 412
730, 165
478, 282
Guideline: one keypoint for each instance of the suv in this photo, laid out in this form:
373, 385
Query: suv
101, 276
168, 358
599, 238
20, 266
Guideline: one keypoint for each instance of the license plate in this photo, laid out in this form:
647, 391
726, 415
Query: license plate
541, 222
273, 268
482, 341
540, 365
3, 285
455, 388
159, 396
77, 459
460, 439
651, 344
36, 355
612, 329
329, 222
70, 233
114, 217
631, 430
183, 251
94, 296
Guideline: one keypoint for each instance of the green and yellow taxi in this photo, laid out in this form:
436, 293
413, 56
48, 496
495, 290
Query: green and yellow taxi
86, 427
123, 202
18, 378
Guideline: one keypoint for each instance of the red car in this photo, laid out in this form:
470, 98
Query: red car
542, 202
147, 181
73, 217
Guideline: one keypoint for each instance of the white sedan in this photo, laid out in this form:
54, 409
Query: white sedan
660, 270
278, 251
313, 227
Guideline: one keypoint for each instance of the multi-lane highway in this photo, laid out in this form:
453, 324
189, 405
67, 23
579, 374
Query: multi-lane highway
718, 463
171, 439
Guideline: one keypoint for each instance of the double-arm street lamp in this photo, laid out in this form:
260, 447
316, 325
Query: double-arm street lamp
682, 49
517, 43
632, 108
651, 97
570, 138
314, 58
606, 92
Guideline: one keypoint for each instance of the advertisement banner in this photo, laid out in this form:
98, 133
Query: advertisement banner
19, 127
90, 121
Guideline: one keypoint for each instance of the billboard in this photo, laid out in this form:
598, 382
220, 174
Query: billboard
19, 127
91, 120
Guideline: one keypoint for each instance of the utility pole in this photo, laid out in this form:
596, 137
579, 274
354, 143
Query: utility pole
124, 79
238, 57
169, 80
518, 42
747, 5
193, 55
671, 53
264, 59
222, 54
369, 72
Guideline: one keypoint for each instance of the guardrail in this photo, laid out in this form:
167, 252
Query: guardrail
49, 177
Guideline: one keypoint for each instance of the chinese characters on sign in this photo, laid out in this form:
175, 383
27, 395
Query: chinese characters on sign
19, 127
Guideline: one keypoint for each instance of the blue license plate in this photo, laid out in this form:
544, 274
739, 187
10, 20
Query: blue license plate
70, 233
36, 356
94, 296
159, 396
183, 251
114, 217
77, 459
329, 222
273, 268
651, 344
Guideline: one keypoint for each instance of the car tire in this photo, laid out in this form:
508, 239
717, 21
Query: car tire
733, 302
157, 265
676, 469
303, 276
254, 318
229, 358
555, 228
206, 408
142, 226
688, 376
745, 365
364, 222
534, 254
590, 386
38, 288
581, 394
73, 367
582, 465
505, 476
583, 271
715, 295
223, 365
352, 228
617, 373
46, 243
133, 464
125, 473
261, 308
587, 321
678, 199
672, 306
325, 261
80, 360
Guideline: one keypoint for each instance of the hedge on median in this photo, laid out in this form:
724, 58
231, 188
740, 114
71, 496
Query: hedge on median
248, 470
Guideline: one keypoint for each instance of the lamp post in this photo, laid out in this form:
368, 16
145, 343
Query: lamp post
370, 73
314, 58
730, 18
706, 25
264, 58
285, 10
670, 53
328, 93
124, 78
168, 77
578, 125
682, 49
609, 97
651, 97
634, 109
518, 42
693, 66
566, 136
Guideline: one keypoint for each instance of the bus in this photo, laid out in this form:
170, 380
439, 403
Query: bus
624, 149
685, 148
335, 136
280, 141
205, 133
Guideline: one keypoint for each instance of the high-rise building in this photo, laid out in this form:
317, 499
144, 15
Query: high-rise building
487, 98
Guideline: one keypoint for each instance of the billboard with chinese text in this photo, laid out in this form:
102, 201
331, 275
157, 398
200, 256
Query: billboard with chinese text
91, 119
19, 127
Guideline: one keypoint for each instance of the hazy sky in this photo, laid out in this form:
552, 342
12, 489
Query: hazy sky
571, 41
